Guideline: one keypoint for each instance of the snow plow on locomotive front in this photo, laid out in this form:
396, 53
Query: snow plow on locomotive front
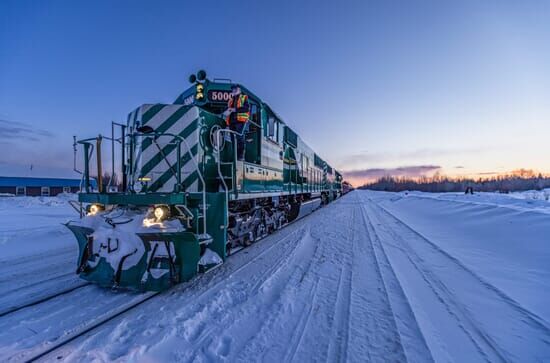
185, 201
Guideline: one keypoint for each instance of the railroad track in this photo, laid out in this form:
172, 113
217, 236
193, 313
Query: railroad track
115, 313
45, 342
82, 328
41, 300
12, 309
86, 329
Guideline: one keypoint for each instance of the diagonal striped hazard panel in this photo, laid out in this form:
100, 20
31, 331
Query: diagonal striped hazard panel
155, 162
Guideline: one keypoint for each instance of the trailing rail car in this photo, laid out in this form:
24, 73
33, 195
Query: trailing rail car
186, 202
346, 187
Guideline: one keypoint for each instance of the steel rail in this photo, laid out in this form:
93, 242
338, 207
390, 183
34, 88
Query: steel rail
90, 327
149, 296
41, 300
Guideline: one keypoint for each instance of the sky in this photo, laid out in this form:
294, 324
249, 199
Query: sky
375, 87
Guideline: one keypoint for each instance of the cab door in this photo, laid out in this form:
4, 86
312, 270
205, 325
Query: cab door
290, 170
272, 154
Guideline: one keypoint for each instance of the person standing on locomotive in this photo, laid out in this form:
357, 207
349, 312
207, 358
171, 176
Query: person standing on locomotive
237, 116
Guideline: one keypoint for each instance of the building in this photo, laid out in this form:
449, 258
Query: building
39, 186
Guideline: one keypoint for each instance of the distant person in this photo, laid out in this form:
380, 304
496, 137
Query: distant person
237, 116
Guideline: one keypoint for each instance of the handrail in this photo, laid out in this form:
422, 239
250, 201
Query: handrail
218, 149
228, 131
88, 146
88, 152
113, 140
203, 183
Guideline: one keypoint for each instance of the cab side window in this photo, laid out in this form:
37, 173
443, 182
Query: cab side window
275, 136
274, 127
270, 127
254, 114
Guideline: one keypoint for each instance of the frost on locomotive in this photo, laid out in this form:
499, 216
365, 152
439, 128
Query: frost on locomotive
185, 202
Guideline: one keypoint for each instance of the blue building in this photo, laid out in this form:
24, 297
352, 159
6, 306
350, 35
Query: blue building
39, 186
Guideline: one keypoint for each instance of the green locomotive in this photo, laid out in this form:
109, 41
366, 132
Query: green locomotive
187, 202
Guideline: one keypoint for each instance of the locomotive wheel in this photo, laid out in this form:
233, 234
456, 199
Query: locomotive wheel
259, 231
294, 211
228, 249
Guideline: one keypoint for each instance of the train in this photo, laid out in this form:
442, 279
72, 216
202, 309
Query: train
347, 187
185, 202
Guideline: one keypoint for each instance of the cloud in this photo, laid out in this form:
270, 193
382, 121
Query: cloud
414, 171
12, 130
412, 156
28, 146
487, 173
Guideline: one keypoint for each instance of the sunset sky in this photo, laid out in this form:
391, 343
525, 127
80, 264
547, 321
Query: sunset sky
403, 88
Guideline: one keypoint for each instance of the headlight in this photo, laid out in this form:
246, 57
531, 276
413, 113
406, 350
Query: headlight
161, 213
94, 209
199, 95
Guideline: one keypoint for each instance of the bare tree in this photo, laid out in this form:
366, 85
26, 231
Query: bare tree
516, 181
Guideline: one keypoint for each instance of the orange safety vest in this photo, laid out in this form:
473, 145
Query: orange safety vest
241, 116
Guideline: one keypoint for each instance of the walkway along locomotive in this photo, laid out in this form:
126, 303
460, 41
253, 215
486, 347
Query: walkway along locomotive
186, 200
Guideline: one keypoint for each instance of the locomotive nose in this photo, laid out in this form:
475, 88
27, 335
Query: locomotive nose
125, 253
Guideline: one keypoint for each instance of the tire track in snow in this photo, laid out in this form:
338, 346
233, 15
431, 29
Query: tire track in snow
252, 287
199, 325
265, 289
535, 319
336, 236
412, 338
274, 291
298, 334
230, 267
473, 314
466, 338
282, 305
337, 350
373, 330
309, 315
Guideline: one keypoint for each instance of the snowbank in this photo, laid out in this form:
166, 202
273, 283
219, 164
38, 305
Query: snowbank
521, 201
31, 225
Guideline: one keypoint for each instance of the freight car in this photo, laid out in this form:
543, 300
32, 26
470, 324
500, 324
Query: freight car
186, 202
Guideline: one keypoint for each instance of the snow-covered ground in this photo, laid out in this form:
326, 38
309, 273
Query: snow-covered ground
372, 277
37, 253
32, 225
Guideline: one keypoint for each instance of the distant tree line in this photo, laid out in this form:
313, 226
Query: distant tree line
517, 181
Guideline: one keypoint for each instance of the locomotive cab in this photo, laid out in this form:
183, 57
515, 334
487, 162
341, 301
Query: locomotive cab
213, 96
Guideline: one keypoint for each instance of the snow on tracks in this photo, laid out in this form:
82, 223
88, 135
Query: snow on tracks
28, 332
461, 314
31, 279
350, 282
310, 292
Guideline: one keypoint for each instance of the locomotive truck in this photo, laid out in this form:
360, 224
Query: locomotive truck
185, 201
